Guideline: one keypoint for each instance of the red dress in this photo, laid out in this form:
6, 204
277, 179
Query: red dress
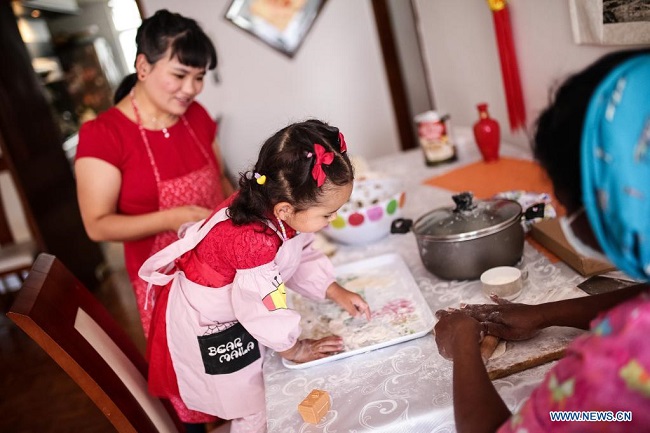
247, 267
157, 173
213, 263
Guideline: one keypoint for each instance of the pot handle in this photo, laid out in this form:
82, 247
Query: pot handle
401, 225
534, 211
464, 201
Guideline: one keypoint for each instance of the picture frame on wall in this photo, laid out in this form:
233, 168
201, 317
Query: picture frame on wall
282, 24
610, 22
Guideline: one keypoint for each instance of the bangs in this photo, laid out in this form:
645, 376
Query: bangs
194, 49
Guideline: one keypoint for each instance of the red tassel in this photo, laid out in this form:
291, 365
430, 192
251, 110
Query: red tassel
509, 69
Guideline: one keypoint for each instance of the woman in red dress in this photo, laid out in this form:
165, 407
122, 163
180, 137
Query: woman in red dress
151, 163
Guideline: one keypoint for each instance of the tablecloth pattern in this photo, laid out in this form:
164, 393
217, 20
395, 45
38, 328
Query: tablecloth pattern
407, 387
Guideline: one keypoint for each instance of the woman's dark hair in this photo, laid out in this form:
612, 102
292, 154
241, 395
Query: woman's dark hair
558, 132
287, 160
164, 30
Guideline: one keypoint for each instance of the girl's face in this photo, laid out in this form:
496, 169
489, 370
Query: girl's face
172, 86
320, 215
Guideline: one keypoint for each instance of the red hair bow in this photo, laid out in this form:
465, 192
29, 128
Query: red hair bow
322, 157
344, 147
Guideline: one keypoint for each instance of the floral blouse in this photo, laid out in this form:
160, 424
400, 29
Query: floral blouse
603, 382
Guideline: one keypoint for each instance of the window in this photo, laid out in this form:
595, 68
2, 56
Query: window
126, 19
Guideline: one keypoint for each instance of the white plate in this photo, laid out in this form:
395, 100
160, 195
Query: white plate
399, 311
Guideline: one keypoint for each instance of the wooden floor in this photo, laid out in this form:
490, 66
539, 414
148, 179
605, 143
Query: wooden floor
36, 395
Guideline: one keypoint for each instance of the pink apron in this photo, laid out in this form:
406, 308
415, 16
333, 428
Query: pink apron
195, 312
199, 187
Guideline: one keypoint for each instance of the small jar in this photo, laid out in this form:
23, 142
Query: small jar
434, 138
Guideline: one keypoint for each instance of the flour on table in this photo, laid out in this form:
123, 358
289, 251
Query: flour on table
394, 312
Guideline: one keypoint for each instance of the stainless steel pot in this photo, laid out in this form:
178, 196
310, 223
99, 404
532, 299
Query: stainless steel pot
463, 242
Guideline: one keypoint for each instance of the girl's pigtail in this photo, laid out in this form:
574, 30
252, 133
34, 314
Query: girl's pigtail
250, 203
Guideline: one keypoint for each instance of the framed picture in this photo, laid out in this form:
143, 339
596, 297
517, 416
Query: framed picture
610, 22
282, 24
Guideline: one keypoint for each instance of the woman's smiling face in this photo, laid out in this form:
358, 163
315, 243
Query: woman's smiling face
172, 86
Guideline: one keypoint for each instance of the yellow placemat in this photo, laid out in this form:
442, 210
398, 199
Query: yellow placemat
485, 180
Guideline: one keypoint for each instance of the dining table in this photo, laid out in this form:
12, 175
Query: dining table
407, 387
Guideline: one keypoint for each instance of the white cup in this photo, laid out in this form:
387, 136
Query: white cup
506, 282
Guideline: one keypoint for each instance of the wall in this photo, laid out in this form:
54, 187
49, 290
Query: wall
337, 75
463, 63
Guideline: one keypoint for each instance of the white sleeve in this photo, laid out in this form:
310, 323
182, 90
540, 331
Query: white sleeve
315, 272
260, 304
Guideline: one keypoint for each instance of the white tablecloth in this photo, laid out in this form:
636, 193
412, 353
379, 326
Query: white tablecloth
407, 387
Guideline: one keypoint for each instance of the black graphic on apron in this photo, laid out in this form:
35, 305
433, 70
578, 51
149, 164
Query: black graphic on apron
228, 351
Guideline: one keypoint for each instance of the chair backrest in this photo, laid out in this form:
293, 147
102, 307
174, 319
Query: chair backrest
75, 329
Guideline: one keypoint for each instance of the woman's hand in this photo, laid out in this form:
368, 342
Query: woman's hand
506, 320
455, 331
184, 214
309, 350
98, 189
477, 405
351, 302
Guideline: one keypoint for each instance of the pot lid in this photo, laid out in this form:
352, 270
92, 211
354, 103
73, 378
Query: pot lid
470, 219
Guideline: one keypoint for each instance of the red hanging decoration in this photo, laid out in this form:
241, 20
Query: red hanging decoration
509, 68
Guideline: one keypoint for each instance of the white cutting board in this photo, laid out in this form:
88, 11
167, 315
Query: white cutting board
399, 311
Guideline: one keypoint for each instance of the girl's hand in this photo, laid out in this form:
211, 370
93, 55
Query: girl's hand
506, 320
351, 302
455, 331
309, 350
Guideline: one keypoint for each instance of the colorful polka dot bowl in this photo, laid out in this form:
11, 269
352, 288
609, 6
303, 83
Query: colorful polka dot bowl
367, 216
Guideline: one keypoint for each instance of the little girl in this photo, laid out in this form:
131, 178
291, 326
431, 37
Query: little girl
224, 302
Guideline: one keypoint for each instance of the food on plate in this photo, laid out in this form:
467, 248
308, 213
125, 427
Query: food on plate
394, 312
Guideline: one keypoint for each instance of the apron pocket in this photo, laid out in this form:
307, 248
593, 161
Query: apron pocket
228, 351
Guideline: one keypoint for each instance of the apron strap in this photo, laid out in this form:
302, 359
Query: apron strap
158, 270
163, 259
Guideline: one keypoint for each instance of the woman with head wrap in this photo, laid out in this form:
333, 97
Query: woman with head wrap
593, 140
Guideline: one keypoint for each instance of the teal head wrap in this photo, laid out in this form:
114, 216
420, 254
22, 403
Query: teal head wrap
615, 163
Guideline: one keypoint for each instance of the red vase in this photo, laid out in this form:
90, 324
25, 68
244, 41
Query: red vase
487, 134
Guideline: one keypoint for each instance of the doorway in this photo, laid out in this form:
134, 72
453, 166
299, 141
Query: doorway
80, 50
397, 26
42, 105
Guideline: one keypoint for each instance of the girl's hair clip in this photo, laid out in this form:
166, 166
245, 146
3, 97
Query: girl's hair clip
260, 178
322, 158
343, 145
309, 154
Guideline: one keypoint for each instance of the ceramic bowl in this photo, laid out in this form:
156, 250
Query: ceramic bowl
367, 216
506, 282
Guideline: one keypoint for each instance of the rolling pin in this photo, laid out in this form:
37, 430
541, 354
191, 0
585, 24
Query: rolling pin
488, 345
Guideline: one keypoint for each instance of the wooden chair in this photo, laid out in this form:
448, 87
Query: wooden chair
75, 329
